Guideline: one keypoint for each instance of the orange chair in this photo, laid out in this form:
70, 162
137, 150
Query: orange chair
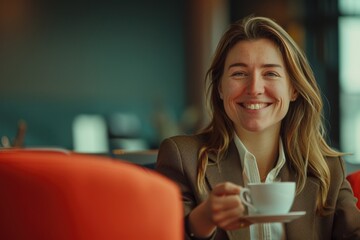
354, 179
57, 195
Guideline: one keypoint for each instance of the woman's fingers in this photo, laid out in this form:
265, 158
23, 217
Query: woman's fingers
225, 216
230, 219
239, 223
226, 188
226, 208
223, 203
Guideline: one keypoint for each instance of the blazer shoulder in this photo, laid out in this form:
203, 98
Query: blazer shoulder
336, 165
187, 141
184, 147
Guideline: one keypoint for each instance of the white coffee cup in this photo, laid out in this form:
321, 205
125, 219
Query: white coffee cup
268, 198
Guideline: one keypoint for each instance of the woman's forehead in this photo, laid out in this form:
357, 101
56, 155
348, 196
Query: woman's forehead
259, 51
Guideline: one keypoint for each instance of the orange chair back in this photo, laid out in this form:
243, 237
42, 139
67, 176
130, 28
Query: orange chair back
57, 195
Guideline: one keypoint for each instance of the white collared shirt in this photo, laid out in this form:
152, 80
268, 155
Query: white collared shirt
251, 175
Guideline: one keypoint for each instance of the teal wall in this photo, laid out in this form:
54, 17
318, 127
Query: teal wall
93, 57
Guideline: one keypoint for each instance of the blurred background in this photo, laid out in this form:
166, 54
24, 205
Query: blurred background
98, 75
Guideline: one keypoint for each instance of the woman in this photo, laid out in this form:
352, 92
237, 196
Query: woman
266, 126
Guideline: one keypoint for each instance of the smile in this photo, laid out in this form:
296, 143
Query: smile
254, 106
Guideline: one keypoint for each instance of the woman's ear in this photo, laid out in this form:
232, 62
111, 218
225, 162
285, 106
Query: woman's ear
294, 95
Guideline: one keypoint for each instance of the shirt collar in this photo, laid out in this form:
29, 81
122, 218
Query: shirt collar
248, 161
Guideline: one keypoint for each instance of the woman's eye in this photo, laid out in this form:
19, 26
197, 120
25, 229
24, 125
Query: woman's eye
272, 74
238, 74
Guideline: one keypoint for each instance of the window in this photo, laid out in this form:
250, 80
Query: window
349, 52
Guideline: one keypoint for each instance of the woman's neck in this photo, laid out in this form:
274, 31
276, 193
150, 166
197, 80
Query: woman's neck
265, 148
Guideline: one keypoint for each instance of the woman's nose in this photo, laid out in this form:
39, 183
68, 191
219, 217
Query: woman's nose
255, 85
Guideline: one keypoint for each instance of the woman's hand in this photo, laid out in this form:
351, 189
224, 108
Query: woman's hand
225, 207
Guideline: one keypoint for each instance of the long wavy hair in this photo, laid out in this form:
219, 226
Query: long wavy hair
302, 130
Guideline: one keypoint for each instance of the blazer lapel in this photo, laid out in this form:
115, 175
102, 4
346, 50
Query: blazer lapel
227, 169
304, 201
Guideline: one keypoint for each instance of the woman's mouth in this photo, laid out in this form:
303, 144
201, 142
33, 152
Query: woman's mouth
254, 106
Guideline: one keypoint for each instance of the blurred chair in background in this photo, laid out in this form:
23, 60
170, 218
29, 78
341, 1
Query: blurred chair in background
126, 142
94, 133
146, 158
57, 195
125, 132
354, 179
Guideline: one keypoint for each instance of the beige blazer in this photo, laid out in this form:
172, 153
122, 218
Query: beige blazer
177, 159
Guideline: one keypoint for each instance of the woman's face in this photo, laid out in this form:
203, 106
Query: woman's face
255, 87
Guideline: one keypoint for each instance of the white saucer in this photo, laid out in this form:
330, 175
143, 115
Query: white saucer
274, 218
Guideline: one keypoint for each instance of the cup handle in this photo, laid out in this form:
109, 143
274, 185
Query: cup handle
245, 196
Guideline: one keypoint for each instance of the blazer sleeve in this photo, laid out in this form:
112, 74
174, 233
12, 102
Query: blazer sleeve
177, 160
170, 164
347, 215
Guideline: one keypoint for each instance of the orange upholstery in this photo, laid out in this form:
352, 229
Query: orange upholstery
57, 195
354, 179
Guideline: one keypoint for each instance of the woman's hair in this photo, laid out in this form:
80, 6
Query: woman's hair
302, 130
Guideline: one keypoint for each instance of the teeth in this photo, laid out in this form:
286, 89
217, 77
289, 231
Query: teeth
254, 106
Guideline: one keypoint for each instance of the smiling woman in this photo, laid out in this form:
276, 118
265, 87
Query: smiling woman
255, 87
266, 126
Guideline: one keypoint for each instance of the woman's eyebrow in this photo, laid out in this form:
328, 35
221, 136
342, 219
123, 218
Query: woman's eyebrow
271, 65
268, 65
237, 65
